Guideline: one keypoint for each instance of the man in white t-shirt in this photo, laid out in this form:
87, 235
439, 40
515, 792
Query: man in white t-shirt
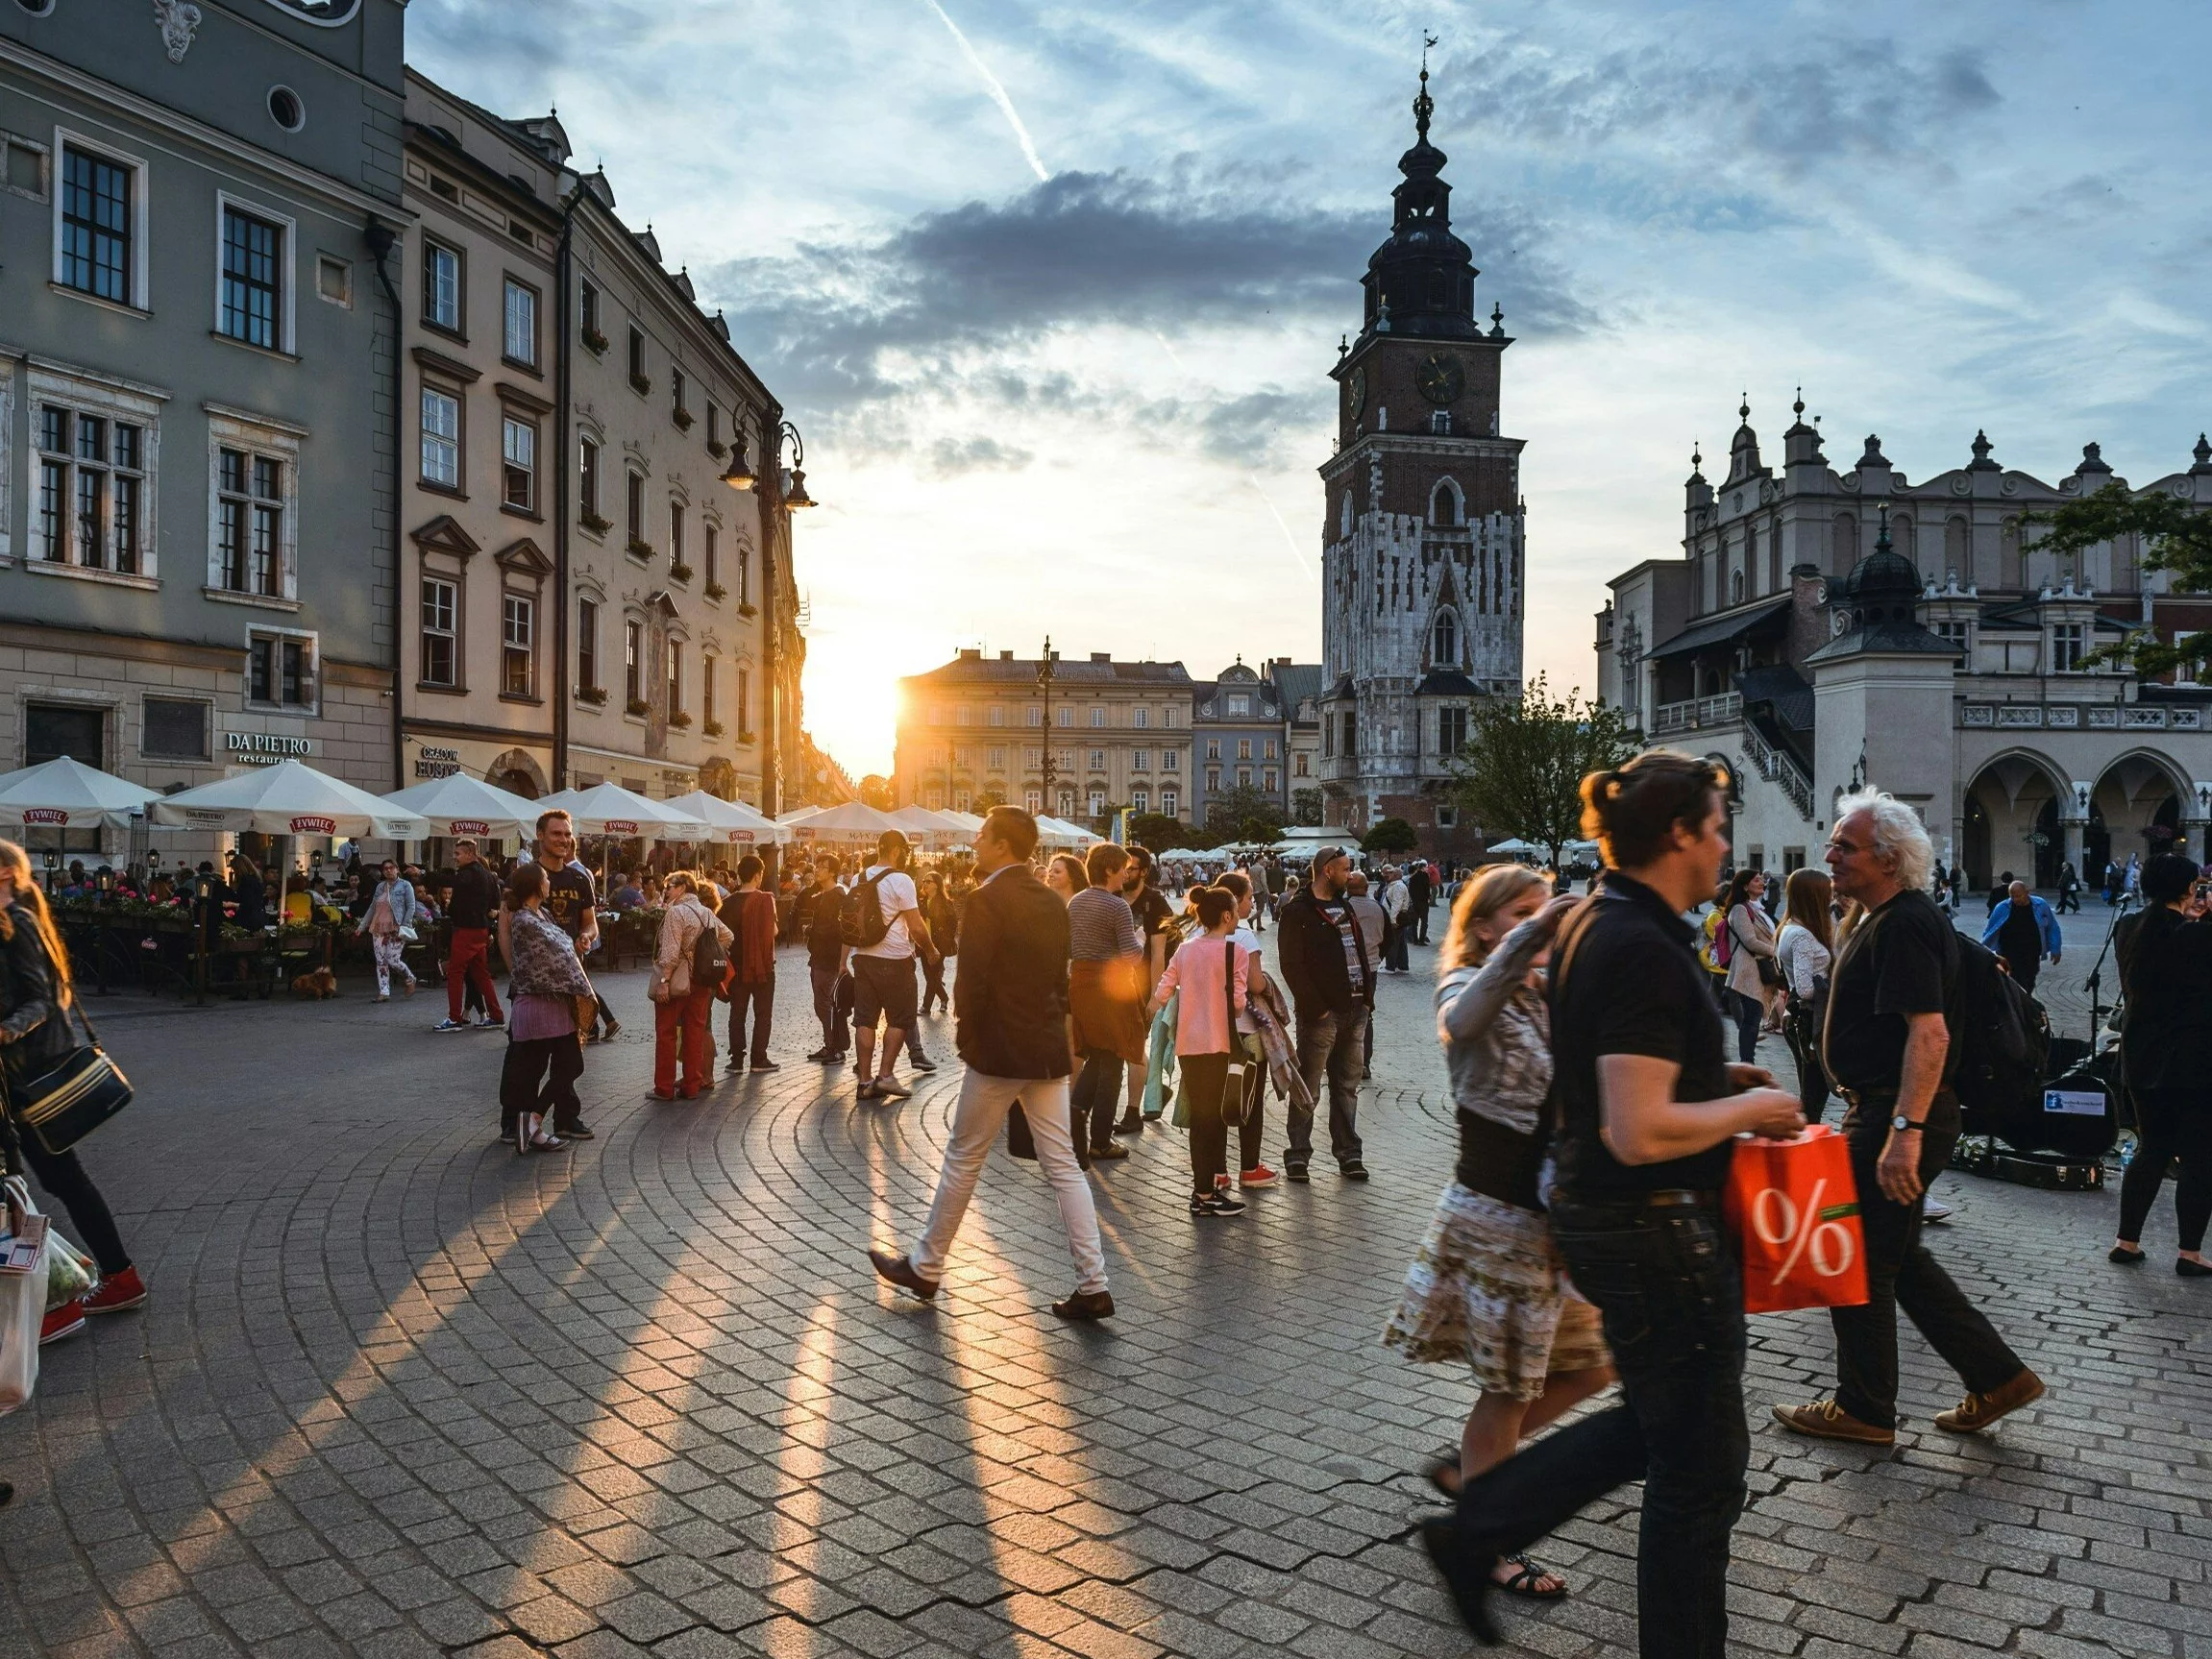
883, 972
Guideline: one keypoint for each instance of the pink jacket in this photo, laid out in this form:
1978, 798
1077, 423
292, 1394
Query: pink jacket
1202, 1018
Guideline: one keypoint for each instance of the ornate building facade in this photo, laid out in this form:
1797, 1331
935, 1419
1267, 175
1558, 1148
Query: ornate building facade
1825, 627
1423, 539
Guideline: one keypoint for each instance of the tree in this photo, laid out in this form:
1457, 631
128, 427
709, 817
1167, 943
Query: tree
2174, 536
1245, 812
1157, 831
876, 790
1305, 806
1389, 835
1522, 770
989, 797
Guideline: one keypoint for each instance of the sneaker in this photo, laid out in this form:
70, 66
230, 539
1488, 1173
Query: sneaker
1261, 1176
1933, 1209
574, 1131
1108, 1153
765, 1065
1978, 1411
451, 1025
116, 1292
921, 1063
383, 996
1352, 1169
1295, 1172
821, 1054
891, 1088
1223, 1203
1825, 1419
66, 1320
491, 1025
1131, 1124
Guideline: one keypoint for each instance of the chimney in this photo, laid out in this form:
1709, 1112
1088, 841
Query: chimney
1005, 656
972, 655
1101, 656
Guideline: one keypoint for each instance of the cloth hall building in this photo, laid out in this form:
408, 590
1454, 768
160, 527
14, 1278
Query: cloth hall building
1827, 627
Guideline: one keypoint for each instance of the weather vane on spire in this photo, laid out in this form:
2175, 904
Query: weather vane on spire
1425, 106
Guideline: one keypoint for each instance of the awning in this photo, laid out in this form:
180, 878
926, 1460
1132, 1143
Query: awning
1720, 630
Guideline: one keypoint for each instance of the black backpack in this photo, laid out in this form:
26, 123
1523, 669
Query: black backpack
1999, 1041
708, 958
861, 920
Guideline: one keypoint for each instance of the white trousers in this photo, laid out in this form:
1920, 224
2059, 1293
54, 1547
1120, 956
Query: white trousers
390, 952
976, 1121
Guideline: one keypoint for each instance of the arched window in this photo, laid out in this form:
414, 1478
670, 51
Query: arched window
1445, 641
1959, 548
1845, 552
1736, 587
1344, 518
1445, 505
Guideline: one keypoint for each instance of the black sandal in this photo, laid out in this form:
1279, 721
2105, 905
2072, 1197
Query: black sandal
2125, 1257
1523, 1583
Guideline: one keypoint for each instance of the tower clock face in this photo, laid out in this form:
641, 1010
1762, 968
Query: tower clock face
1355, 391
1441, 378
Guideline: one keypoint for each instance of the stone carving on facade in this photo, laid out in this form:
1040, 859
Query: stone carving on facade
179, 21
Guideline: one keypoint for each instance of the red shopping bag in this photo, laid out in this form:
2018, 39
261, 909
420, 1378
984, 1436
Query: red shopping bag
1794, 1208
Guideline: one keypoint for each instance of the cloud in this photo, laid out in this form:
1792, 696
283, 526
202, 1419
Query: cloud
949, 457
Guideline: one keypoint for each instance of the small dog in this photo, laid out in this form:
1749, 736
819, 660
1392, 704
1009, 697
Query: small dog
316, 985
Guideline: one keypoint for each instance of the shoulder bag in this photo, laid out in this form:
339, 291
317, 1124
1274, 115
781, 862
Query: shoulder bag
1237, 1080
75, 1095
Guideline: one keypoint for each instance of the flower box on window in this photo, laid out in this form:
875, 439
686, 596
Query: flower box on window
595, 524
746, 738
641, 382
593, 694
749, 609
712, 729
716, 448
640, 549
595, 341
683, 420
679, 573
678, 717
637, 706
716, 591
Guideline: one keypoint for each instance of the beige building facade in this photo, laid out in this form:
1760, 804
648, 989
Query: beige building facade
1102, 735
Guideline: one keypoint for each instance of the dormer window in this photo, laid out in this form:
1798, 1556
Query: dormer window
2069, 645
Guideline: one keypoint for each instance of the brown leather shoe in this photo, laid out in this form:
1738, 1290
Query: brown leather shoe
1086, 1304
1978, 1411
899, 1271
1825, 1419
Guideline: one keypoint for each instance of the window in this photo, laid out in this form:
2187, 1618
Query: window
441, 412
281, 671
442, 286
1447, 816
711, 537
1140, 760
1170, 717
676, 535
94, 252
1445, 641
1244, 749
634, 511
519, 324
1267, 749
1441, 426
587, 645
335, 279
1140, 800
713, 427
706, 679
637, 374
1451, 731
1953, 632
1170, 760
743, 574
1036, 714
252, 294
744, 703
997, 715
174, 730
1097, 803
633, 661
93, 491
1098, 716
1170, 802
1213, 780
1244, 777
1032, 799
1097, 760
1067, 715
587, 477
588, 313
518, 464
2068, 647
1067, 803
1212, 748
518, 645
1139, 718
441, 642
1301, 765
678, 413
249, 520
996, 759
1240, 706
1267, 780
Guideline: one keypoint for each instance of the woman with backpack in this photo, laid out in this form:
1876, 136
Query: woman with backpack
1804, 948
687, 969
1753, 977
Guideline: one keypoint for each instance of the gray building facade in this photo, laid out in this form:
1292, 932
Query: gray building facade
197, 369
1237, 739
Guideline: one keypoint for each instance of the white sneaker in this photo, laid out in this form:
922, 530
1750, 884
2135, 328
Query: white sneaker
1932, 1209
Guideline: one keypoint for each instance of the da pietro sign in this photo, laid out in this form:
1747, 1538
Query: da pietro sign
264, 749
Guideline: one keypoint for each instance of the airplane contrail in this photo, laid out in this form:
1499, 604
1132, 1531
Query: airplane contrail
997, 93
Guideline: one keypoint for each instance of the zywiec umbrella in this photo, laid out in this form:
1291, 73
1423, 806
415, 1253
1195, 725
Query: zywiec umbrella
928, 828
847, 820
730, 821
460, 805
66, 794
610, 810
289, 799
1059, 832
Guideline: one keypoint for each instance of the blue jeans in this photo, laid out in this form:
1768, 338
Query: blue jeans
1669, 1288
1332, 1055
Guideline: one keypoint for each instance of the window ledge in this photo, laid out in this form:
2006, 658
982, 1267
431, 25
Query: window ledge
518, 698
282, 357
446, 490
293, 711
253, 601
442, 691
442, 332
117, 306
531, 369
83, 573
514, 512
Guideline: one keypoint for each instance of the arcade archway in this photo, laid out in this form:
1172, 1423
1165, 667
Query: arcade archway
2010, 821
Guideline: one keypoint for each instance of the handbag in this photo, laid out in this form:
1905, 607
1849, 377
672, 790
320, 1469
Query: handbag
22, 1305
1236, 1079
1769, 969
73, 1096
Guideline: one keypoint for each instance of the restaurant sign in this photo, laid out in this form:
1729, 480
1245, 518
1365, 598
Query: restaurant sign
438, 763
264, 749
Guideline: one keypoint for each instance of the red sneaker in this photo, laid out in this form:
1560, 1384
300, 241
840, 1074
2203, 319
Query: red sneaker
1258, 1175
66, 1320
116, 1292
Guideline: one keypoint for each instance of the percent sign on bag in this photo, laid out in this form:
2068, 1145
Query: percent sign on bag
1795, 1211
1813, 1231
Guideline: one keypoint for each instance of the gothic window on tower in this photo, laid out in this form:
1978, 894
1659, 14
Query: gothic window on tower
1445, 641
1445, 503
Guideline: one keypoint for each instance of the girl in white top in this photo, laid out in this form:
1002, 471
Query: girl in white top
1803, 950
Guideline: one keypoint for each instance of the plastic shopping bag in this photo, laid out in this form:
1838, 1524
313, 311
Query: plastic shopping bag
22, 1305
1793, 1207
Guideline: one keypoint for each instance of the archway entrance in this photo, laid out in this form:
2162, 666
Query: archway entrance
2139, 800
2010, 823
517, 771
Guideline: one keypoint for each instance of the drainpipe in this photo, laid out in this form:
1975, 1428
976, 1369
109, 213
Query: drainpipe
381, 238
564, 367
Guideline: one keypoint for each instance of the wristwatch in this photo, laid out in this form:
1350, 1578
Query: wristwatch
1902, 1123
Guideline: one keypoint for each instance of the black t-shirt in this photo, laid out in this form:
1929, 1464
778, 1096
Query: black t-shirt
1629, 983
825, 925
1902, 958
1155, 916
571, 899
2019, 940
476, 896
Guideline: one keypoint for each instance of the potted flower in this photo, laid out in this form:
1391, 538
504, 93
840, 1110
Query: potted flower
640, 548
678, 717
638, 707
679, 573
595, 342
595, 524
592, 695
716, 448
746, 738
749, 609
716, 591
712, 729
683, 420
641, 382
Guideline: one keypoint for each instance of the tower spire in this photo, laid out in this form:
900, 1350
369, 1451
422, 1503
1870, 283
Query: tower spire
1425, 106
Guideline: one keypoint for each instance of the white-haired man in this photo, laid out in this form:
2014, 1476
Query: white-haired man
1887, 1046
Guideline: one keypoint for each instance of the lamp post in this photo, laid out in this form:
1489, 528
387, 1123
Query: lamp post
739, 475
1045, 686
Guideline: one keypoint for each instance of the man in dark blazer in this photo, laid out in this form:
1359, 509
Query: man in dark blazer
1010, 1018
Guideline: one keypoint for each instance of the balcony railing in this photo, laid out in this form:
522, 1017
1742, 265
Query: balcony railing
1697, 713
1777, 767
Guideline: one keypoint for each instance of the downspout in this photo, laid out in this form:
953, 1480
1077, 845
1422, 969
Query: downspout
564, 364
381, 238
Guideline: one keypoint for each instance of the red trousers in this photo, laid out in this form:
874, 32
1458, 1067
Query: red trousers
688, 1020
470, 959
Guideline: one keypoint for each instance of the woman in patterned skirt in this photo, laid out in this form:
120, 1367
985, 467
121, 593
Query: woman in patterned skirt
1489, 1287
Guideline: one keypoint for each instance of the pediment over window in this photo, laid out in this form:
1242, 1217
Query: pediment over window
525, 559
444, 534
661, 601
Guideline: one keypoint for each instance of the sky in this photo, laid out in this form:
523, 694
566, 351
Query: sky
1052, 290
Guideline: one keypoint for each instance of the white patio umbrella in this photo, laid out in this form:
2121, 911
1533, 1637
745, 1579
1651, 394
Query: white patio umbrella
289, 799
1059, 832
847, 820
730, 821
460, 805
66, 794
969, 821
1514, 845
931, 829
797, 815
610, 810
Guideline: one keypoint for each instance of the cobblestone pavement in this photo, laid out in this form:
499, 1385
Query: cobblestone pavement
401, 1393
